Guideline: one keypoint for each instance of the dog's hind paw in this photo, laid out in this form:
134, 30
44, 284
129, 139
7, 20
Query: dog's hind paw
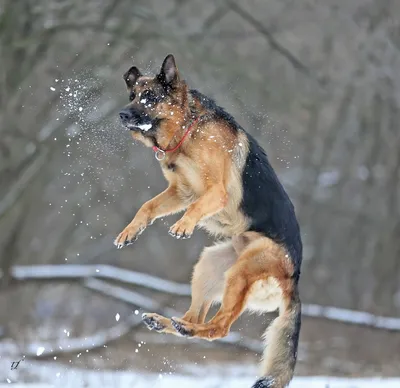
180, 328
153, 322
264, 382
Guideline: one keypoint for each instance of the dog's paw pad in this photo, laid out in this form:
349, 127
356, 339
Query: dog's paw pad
264, 382
181, 329
152, 323
179, 235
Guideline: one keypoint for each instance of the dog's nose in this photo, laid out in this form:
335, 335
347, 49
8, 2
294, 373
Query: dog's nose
125, 115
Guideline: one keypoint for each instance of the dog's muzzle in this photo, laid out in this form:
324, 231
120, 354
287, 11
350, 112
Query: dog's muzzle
135, 121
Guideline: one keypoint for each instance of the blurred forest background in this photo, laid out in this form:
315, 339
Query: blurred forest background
316, 82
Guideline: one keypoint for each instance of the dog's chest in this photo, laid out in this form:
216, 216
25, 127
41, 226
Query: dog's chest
191, 184
186, 177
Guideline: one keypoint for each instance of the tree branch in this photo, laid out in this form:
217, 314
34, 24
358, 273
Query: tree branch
20, 185
295, 62
66, 271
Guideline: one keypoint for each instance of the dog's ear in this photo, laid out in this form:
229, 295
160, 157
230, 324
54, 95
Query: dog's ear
131, 76
169, 75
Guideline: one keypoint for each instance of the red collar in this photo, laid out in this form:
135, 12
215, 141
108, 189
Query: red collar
160, 154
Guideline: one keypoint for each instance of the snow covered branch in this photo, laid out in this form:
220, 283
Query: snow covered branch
78, 272
351, 316
128, 296
67, 271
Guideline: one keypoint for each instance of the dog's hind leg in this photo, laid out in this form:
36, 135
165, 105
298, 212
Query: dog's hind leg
207, 286
208, 279
261, 260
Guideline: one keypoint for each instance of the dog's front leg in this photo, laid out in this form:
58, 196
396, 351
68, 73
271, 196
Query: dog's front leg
210, 203
163, 204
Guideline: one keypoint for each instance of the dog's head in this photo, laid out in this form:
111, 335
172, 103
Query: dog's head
158, 105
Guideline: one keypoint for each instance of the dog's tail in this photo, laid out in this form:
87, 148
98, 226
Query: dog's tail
282, 338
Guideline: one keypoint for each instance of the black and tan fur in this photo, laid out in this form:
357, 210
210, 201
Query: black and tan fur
220, 176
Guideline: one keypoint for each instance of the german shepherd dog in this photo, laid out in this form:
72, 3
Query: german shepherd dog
221, 177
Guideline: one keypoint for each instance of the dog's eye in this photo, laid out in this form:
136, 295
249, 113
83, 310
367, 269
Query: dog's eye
148, 97
132, 96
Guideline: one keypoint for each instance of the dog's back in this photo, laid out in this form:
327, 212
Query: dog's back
264, 205
267, 204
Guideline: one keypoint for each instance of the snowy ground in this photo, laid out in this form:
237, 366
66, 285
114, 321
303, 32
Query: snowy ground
180, 381
47, 374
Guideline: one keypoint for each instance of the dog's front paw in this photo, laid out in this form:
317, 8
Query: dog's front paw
182, 229
128, 236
